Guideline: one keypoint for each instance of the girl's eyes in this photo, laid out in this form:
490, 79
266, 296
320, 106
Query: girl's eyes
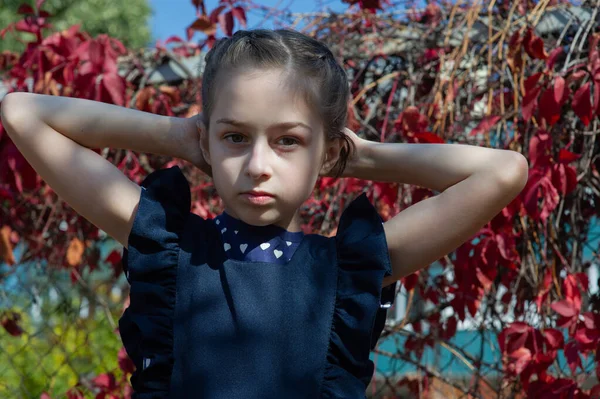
293, 140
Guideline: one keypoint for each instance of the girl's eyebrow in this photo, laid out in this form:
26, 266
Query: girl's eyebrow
283, 125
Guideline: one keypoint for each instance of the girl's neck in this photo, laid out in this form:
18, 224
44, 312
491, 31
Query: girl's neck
267, 231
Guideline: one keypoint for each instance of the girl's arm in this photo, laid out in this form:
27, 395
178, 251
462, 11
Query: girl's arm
96, 125
476, 183
55, 135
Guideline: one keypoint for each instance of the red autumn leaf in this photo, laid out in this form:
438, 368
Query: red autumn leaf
174, 39
540, 186
566, 156
210, 41
483, 278
565, 308
554, 338
74, 276
576, 76
114, 260
472, 306
432, 14
521, 358
518, 327
427, 138
549, 108
410, 281
514, 55
240, 14
372, 5
540, 146
582, 105
572, 355
214, 15
559, 90
543, 360
570, 286
411, 120
532, 81
564, 178
572, 291
226, 22
25, 9
516, 341
115, 86
27, 26
10, 322
202, 24
451, 325
534, 46
589, 320
554, 54
585, 336
595, 392
105, 381
125, 362
96, 55
530, 102
386, 192
485, 125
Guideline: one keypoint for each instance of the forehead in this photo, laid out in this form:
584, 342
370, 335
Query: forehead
261, 97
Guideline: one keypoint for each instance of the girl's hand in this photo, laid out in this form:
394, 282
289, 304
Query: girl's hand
354, 160
192, 127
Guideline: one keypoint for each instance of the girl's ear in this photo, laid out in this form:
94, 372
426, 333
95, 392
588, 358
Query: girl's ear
331, 156
203, 134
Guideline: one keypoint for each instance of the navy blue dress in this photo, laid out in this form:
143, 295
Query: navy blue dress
202, 325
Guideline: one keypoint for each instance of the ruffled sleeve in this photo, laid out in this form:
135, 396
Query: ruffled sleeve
150, 265
361, 303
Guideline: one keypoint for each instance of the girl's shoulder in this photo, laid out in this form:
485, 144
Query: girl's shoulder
360, 239
168, 185
162, 213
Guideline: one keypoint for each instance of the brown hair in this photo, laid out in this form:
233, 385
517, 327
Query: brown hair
313, 69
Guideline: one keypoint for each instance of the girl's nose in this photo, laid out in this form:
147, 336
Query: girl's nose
258, 164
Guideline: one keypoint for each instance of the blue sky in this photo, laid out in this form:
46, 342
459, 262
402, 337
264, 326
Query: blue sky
172, 16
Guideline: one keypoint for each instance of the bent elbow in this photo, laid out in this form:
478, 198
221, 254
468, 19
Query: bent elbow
514, 171
12, 111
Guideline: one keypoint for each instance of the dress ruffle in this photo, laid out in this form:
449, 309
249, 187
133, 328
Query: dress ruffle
358, 319
150, 264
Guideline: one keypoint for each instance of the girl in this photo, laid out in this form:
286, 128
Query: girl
245, 305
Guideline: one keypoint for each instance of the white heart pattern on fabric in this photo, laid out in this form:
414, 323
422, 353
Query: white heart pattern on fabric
235, 231
288, 243
265, 245
243, 247
227, 246
224, 230
278, 253
217, 221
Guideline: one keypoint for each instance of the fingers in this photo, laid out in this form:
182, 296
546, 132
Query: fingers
200, 125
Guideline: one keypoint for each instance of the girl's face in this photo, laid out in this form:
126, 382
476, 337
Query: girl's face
263, 138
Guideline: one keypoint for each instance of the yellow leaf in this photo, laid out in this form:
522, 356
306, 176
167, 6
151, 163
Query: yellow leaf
75, 252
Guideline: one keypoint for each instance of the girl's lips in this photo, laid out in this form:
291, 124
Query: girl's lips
258, 193
257, 199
